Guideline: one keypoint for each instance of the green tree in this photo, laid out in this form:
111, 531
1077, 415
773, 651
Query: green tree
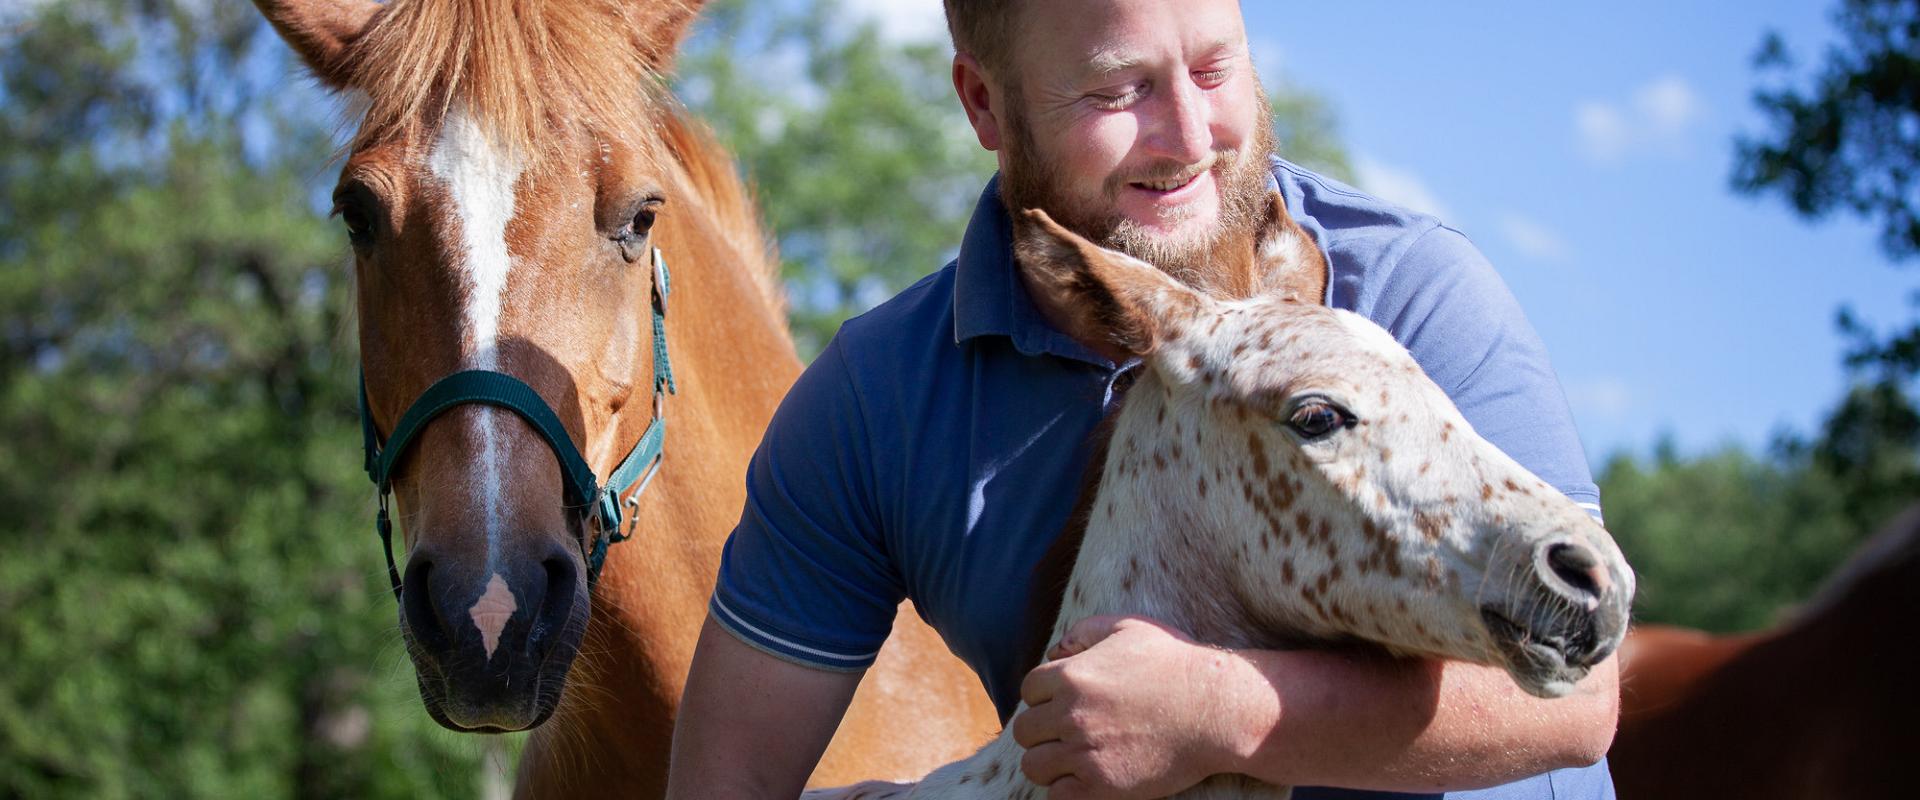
1851, 139
1727, 541
190, 600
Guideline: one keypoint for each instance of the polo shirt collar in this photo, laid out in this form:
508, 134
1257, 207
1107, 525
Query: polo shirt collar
988, 297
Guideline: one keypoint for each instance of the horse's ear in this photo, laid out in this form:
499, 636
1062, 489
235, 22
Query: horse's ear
1288, 261
320, 31
1096, 294
664, 26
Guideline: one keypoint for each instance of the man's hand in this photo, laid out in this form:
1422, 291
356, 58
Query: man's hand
1126, 707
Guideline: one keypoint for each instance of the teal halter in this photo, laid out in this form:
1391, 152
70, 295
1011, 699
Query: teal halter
486, 387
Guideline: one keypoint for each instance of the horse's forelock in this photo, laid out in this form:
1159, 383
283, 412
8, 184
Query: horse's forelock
521, 68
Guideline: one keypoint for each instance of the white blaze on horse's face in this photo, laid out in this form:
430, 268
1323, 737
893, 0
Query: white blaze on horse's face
479, 178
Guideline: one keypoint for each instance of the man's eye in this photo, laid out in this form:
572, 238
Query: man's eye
1211, 77
1120, 98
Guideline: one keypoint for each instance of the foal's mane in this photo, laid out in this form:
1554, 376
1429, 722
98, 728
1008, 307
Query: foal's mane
524, 69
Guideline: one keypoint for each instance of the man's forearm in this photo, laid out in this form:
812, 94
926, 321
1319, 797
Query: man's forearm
1331, 719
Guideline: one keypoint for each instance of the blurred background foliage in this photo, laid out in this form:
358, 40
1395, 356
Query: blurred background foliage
191, 603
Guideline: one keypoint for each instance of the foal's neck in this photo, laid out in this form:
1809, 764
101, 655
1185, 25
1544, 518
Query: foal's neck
1146, 549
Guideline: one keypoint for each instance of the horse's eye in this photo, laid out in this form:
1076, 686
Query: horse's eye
353, 204
1317, 418
632, 237
359, 225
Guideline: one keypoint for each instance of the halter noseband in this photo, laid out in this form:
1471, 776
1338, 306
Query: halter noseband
487, 387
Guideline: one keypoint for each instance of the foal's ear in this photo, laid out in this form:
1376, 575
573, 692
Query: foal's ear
320, 31
1099, 295
1288, 262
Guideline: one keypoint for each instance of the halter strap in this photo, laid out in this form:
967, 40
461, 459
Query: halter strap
498, 389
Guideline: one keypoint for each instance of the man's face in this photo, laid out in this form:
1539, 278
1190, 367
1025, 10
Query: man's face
1139, 123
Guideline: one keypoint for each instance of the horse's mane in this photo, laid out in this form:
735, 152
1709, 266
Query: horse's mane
525, 68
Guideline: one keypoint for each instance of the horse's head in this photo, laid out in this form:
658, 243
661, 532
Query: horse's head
501, 198
1315, 464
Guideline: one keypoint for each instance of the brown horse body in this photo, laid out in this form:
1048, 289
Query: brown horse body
1824, 706
568, 100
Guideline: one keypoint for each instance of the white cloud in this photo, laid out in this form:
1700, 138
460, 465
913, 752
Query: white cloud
1533, 239
1656, 118
1669, 103
1399, 186
905, 20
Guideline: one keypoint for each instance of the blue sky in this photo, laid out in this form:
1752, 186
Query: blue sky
1586, 149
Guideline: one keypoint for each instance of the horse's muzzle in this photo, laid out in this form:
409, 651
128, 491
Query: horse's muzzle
492, 650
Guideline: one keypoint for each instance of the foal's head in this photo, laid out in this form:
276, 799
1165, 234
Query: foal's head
1319, 485
501, 197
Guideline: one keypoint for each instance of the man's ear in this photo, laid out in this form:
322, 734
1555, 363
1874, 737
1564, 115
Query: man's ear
979, 98
1099, 295
320, 31
1287, 260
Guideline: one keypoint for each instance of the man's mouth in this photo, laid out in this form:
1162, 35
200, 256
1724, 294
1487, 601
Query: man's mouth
1168, 186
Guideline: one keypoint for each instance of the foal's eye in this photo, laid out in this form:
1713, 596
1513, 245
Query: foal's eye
632, 237
1315, 418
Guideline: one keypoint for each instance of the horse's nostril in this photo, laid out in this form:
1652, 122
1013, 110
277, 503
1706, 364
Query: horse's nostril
1578, 567
423, 617
556, 607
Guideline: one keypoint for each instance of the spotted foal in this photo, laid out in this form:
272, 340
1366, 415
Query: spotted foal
1283, 474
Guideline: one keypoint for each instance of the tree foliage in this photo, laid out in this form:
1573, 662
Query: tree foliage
1851, 139
189, 594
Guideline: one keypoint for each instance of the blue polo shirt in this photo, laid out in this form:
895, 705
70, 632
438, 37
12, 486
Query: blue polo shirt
935, 448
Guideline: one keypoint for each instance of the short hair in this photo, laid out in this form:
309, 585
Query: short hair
984, 29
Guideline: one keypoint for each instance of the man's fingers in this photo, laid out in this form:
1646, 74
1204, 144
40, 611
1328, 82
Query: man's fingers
1040, 685
1069, 787
1039, 724
1047, 764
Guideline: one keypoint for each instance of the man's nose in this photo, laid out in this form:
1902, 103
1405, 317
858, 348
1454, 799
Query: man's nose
1182, 128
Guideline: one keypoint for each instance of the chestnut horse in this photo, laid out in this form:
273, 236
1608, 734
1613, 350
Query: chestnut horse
1822, 706
519, 177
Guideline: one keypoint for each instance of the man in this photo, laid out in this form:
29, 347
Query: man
934, 448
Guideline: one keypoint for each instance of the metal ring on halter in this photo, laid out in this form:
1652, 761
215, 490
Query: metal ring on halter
631, 520
660, 280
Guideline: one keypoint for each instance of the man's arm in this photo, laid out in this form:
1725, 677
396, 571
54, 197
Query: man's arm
752, 725
1310, 718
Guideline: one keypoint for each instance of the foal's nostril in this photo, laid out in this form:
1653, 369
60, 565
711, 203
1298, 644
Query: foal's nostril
1580, 569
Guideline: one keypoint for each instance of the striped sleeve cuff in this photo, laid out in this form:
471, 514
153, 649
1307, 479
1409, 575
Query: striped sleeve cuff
762, 636
1588, 499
